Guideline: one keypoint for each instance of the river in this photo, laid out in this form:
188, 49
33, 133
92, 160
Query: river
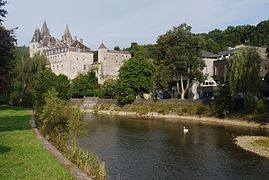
149, 149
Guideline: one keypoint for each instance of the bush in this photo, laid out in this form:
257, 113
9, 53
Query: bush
61, 123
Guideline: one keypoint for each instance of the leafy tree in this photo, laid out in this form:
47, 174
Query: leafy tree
7, 41
137, 76
25, 73
84, 85
53, 119
242, 74
117, 48
147, 51
60, 118
63, 86
110, 88
179, 49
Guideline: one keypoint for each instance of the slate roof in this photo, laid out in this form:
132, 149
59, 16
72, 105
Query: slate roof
224, 53
208, 54
102, 46
44, 30
36, 36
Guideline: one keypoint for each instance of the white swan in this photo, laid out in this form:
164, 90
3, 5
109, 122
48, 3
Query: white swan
185, 130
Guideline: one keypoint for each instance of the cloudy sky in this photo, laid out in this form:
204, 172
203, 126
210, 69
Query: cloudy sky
120, 22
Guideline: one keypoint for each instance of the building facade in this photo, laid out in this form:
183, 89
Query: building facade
110, 62
72, 57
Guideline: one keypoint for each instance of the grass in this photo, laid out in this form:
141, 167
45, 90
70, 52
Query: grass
21, 154
264, 142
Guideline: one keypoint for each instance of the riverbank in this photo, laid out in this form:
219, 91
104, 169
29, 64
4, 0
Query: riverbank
256, 144
59, 156
176, 117
21, 154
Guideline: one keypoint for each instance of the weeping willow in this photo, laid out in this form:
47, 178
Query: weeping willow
242, 73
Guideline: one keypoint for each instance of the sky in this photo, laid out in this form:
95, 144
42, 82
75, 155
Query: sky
120, 22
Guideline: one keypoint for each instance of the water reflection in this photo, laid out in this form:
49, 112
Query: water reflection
135, 148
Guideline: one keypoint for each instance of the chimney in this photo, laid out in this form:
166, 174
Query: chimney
81, 40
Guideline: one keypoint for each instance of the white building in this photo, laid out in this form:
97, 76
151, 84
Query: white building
71, 57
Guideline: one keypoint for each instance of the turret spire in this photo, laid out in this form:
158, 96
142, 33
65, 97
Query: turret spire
36, 36
67, 37
102, 46
44, 30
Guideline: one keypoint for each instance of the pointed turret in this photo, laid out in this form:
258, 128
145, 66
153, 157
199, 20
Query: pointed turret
102, 46
44, 30
67, 37
36, 36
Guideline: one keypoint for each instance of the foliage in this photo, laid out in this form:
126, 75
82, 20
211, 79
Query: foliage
62, 124
53, 119
218, 40
63, 86
21, 154
137, 76
25, 72
109, 89
147, 51
242, 74
84, 85
7, 42
179, 50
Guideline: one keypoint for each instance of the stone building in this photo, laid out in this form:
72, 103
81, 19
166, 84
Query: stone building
110, 62
67, 56
72, 57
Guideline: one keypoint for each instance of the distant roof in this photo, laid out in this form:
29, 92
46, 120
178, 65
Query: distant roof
119, 52
102, 46
208, 54
44, 30
36, 36
231, 51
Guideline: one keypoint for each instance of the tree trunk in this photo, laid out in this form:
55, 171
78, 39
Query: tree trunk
184, 90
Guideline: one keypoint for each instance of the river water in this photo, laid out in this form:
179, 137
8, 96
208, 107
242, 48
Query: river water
138, 149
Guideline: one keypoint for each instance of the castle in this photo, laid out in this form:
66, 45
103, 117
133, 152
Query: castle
72, 57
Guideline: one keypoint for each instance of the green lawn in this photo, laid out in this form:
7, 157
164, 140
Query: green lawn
21, 154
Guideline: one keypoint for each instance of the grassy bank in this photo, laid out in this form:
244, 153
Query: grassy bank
21, 154
182, 108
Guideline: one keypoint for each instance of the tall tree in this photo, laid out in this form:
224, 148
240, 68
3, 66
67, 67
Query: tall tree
84, 85
180, 50
7, 41
26, 73
137, 76
242, 73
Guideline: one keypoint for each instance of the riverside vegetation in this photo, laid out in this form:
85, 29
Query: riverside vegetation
61, 123
21, 154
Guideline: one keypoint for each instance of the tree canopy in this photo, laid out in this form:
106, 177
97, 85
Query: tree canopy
137, 76
179, 55
242, 73
7, 43
84, 85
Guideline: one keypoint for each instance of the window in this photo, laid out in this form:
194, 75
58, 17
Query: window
77, 59
84, 67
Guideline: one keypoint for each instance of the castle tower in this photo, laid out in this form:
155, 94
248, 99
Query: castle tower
35, 43
102, 53
44, 30
67, 37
